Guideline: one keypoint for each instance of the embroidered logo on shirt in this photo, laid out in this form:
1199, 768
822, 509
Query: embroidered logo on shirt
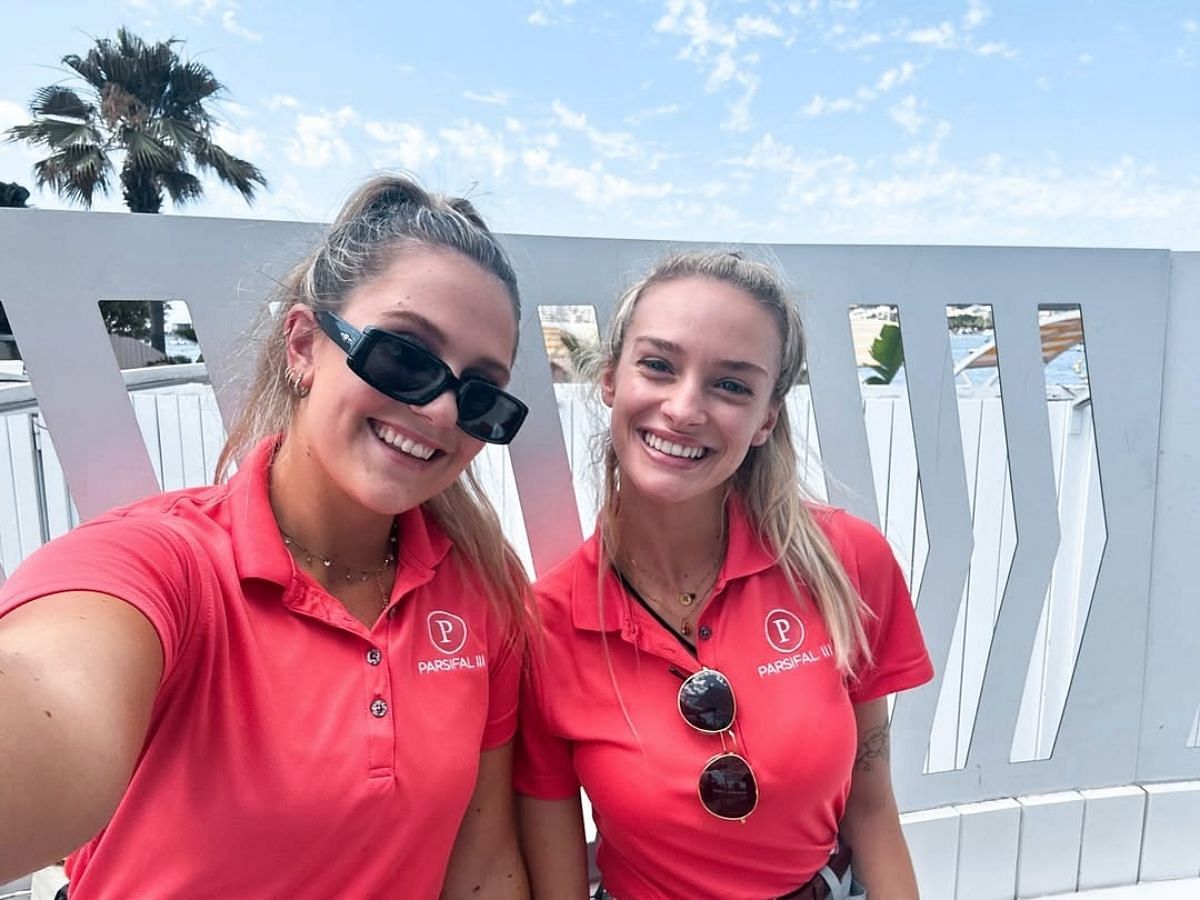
785, 631
447, 632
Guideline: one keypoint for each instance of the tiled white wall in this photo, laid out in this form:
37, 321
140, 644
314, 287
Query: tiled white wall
1056, 843
1048, 852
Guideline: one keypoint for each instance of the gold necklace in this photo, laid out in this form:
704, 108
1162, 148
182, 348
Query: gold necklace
686, 599
363, 575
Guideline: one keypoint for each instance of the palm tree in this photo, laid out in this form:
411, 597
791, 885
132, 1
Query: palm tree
144, 110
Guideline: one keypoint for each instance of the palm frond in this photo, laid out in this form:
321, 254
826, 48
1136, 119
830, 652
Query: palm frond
243, 176
31, 133
144, 151
87, 68
76, 173
177, 132
62, 133
191, 84
181, 186
56, 100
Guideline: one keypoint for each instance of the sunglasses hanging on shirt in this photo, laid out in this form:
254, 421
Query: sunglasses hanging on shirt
404, 370
728, 789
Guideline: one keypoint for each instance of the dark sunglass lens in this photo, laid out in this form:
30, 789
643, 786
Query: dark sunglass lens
706, 701
727, 787
397, 368
487, 413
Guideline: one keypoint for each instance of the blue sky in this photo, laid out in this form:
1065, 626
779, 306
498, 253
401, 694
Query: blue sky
826, 121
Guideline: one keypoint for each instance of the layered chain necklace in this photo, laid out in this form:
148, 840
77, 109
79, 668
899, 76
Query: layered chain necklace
685, 599
352, 574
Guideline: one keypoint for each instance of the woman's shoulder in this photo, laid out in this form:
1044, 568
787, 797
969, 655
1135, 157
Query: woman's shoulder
853, 538
555, 587
186, 515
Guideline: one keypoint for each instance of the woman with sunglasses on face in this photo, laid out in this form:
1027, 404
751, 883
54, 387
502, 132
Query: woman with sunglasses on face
301, 682
717, 657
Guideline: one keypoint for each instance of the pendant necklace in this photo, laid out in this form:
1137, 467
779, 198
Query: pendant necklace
362, 575
687, 599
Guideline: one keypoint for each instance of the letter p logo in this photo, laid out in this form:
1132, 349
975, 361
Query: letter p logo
447, 632
785, 631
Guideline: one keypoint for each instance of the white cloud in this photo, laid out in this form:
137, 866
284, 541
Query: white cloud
893, 78
939, 36
229, 23
549, 12
888, 80
756, 26
494, 97
474, 143
819, 106
995, 48
712, 46
592, 186
12, 114
318, 139
927, 154
611, 144
1186, 54
404, 145
906, 116
977, 13
642, 115
768, 155
242, 112
1085, 58
739, 110
248, 143
281, 101
842, 38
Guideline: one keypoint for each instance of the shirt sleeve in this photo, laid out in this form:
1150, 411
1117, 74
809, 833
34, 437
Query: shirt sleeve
504, 678
544, 767
142, 561
899, 660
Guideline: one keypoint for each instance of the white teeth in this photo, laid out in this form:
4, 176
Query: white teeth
670, 448
403, 444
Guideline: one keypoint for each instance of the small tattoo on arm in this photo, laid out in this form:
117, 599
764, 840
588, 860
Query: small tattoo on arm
872, 749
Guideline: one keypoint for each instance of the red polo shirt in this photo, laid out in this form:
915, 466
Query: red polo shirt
600, 710
292, 751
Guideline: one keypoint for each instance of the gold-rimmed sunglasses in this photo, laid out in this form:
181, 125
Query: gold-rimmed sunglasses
727, 788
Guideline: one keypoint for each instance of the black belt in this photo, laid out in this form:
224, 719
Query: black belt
817, 888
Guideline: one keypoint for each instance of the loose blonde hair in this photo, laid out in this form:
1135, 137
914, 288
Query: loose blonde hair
387, 216
768, 481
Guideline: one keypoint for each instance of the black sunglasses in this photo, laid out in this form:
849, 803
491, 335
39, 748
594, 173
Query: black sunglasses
404, 370
727, 787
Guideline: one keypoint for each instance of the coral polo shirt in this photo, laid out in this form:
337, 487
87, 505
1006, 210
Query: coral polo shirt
292, 751
600, 711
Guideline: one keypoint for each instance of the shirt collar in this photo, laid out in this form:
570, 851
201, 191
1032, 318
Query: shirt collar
259, 550
746, 555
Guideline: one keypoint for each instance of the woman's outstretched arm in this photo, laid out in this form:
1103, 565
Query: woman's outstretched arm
78, 676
